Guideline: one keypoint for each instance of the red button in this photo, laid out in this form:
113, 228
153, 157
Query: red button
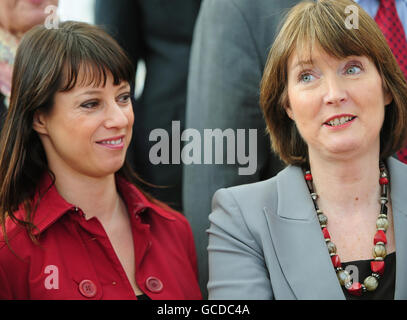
154, 284
87, 288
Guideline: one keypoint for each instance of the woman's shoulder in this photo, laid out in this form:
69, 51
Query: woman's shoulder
256, 191
12, 228
18, 244
165, 211
398, 181
395, 166
250, 203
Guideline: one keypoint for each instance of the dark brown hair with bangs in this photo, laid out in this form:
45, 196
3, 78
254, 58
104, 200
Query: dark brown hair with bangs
48, 61
322, 23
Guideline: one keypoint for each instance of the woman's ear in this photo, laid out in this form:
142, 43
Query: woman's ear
39, 123
289, 111
388, 97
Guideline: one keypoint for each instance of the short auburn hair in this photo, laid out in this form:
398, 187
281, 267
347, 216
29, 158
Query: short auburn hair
322, 22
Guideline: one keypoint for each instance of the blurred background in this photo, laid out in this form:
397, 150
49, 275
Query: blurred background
84, 10
79, 10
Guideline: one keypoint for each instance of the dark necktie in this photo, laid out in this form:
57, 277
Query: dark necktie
392, 28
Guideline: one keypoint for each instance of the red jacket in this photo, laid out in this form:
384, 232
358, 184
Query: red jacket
75, 259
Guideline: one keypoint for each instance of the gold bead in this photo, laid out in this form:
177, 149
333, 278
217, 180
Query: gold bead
323, 219
379, 250
343, 277
382, 224
331, 247
371, 283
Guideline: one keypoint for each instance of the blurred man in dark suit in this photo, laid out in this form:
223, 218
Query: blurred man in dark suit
160, 33
230, 48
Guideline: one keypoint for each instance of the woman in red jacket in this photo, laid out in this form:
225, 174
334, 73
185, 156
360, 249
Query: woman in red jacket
74, 224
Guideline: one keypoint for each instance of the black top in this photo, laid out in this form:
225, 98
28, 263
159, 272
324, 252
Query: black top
385, 290
143, 297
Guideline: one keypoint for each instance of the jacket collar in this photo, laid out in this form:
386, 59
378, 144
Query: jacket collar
291, 183
137, 202
52, 206
398, 180
293, 195
298, 240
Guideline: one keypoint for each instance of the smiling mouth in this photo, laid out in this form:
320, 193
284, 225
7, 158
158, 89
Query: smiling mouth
111, 142
339, 121
114, 142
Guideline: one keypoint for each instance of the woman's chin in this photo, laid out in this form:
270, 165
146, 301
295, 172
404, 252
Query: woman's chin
110, 168
348, 151
341, 149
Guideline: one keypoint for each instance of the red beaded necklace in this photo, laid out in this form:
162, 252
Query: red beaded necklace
379, 250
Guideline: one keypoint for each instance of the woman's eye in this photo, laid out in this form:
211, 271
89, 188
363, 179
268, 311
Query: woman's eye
353, 70
90, 104
306, 77
124, 98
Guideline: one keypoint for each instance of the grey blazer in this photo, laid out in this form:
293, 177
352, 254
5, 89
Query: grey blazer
232, 39
265, 241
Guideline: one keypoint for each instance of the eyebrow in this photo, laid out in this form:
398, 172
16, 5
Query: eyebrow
303, 62
93, 91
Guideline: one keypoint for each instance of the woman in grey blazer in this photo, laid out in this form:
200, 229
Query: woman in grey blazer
330, 224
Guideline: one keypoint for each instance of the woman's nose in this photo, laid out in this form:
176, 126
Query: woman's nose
335, 90
115, 116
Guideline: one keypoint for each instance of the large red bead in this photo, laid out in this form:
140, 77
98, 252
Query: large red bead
377, 267
326, 233
336, 261
355, 289
308, 176
380, 236
383, 180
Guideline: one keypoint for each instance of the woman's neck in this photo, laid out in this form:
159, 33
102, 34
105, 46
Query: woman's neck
347, 186
96, 196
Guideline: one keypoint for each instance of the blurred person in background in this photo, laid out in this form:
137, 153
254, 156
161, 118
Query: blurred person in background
159, 32
391, 17
16, 18
229, 52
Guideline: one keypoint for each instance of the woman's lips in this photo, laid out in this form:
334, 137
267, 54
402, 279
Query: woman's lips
343, 117
339, 122
112, 143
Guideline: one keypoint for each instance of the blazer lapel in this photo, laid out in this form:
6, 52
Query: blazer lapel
298, 240
398, 180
